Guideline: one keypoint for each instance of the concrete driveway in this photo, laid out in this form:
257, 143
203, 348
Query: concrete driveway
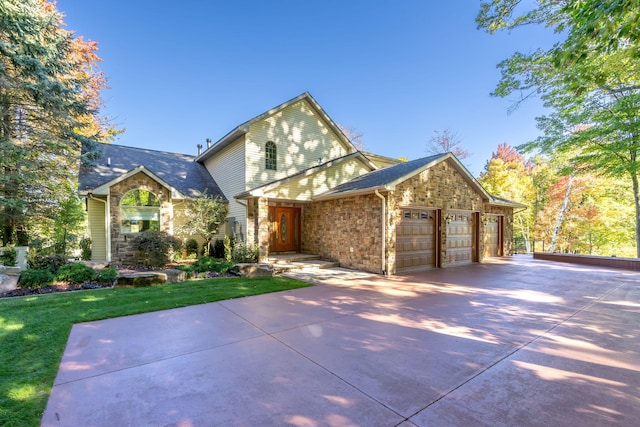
510, 342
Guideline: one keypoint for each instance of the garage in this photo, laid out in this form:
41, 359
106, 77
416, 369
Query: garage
492, 237
416, 239
460, 238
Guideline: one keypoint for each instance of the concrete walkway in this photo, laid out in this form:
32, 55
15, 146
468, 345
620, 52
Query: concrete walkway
505, 343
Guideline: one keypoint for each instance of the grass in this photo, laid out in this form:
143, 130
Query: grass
34, 330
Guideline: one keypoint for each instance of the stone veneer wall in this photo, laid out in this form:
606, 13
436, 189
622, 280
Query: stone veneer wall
346, 230
508, 225
121, 252
439, 187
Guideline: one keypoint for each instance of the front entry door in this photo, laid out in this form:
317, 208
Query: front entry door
284, 228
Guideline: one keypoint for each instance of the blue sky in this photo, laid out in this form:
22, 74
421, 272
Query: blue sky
397, 71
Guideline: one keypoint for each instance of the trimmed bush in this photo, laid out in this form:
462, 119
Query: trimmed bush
32, 279
106, 275
51, 262
191, 247
9, 256
245, 253
85, 249
154, 247
205, 263
76, 272
218, 248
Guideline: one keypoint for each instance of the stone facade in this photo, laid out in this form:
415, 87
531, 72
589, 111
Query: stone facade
440, 187
508, 225
121, 252
347, 230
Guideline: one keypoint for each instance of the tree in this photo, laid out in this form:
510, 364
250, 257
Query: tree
589, 81
204, 216
447, 142
49, 101
355, 136
507, 174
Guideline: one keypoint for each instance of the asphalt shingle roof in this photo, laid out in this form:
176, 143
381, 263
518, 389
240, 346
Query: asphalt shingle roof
381, 177
180, 171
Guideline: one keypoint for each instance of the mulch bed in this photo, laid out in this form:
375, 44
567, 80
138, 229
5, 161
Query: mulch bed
56, 287
68, 287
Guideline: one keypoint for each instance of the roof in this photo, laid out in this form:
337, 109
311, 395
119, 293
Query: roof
387, 178
261, 190
180, 173
499, 201
244, 127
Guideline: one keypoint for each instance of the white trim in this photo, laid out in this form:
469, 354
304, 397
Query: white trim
104, 189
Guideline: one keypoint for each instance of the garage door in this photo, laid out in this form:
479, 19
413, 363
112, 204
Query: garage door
491, 238
459, 238
415, 239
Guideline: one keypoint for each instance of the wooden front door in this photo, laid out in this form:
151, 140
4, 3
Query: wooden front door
284, 229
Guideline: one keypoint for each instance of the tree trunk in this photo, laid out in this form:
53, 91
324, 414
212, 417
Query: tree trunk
565, 205
636, 199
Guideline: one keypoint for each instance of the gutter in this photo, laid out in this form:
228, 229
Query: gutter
384, 232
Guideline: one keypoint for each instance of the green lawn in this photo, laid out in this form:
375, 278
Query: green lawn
34, 330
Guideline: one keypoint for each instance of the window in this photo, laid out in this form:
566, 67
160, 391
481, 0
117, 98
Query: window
270, 155
139, 211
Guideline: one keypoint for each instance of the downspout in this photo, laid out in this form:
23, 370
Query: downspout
384, 232
107, 224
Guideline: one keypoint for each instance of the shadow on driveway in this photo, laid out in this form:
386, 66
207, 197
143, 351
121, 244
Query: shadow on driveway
513, 341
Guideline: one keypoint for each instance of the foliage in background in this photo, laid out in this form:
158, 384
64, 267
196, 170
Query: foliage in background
447, 142
598, 218
85, 249
191, 247
9, 256
588, 80
203, 218
154, 248
49, 111
228, 249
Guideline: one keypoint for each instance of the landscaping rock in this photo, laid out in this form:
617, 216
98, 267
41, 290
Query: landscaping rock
141, 279
252, 270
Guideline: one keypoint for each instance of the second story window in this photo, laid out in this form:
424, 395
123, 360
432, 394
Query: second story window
270, 155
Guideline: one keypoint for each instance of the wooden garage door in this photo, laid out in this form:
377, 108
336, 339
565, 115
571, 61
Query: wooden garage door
491, 238
459, 238
415, 239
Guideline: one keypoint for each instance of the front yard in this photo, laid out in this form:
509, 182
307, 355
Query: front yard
35, 329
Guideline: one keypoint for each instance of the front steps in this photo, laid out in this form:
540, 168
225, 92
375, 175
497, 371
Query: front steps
284, 263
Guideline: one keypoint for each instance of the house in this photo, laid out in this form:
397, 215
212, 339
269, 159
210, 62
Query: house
295, 183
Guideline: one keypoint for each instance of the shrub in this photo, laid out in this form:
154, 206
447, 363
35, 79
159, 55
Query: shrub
76, 272
223, 267
85, 249
191, 247
31, 279
205, 263
228, 249
218, 248
51, 262
245, 253
9, 256
154, 247
106, 275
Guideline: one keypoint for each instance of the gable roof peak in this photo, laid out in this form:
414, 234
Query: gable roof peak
243, 128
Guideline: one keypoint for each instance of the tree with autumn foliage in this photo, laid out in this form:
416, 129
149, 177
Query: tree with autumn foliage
588, 80
49, 109
447, 142
507, 174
